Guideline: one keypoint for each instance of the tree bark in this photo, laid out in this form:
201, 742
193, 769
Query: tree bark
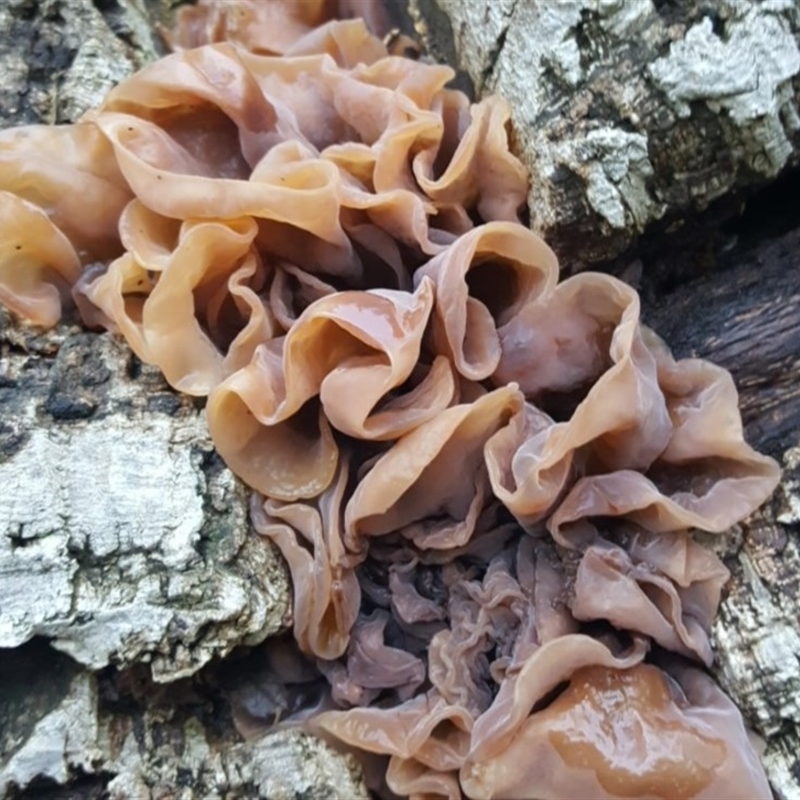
124, 538
744, 316
629, 112
79, 735
60, 57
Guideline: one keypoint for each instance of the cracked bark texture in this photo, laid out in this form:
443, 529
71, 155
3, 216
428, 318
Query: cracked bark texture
630, 112
117, 735
60, 57
123, 537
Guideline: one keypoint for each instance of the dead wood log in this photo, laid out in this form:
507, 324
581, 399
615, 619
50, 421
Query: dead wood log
123, 537
60, 57
66, 732
611, 149
628, 112
746, 316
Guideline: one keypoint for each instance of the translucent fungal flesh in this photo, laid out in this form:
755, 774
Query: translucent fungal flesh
482, 479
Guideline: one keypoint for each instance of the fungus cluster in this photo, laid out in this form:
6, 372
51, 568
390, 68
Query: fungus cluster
483, 481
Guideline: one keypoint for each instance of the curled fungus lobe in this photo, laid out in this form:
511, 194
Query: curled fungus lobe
483, 480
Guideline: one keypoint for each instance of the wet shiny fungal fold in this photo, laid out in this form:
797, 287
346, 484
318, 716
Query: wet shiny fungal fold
483, 480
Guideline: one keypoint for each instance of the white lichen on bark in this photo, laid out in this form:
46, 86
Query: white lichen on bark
756, 634
122, 537
280, 766
95, 46
615, 167
62, 742
155, 751
745, 73
788, 498
689, 102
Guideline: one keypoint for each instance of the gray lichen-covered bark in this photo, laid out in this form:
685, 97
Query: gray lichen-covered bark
757, 639
123, 538
123, 738
60, 57
630, 111
756, 635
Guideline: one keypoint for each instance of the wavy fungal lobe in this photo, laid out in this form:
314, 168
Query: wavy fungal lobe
483, 480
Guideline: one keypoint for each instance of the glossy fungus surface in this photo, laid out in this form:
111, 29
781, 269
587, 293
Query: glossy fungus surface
483, 480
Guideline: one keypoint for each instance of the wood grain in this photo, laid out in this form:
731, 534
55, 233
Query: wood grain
745, 316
